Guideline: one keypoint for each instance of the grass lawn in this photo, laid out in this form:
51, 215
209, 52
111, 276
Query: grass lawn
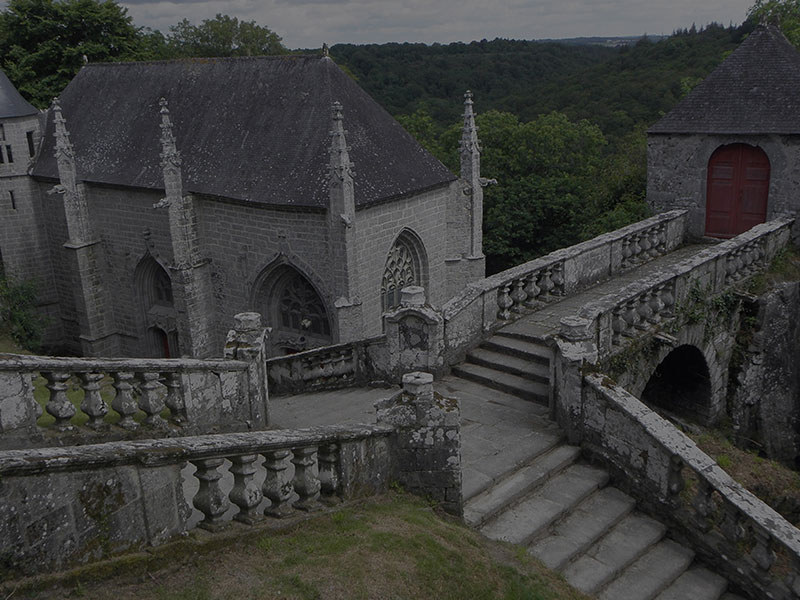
395, 546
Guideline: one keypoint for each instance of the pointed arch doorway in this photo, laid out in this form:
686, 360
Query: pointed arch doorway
738, 187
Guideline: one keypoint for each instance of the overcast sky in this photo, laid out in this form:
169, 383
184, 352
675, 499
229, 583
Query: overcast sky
309, 23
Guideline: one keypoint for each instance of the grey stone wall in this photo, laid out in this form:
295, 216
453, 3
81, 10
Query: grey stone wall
677, 173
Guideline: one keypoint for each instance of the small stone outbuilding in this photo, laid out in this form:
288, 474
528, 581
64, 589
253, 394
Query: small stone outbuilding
730, 151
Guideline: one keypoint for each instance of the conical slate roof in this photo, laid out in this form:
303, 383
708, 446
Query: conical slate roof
755, 90
11, 103
252, 129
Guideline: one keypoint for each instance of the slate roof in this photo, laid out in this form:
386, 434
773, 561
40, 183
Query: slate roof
253, 129
755, 90
11, 103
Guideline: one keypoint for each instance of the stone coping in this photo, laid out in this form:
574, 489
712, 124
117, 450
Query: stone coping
325, 349
169, 451
23, 362
676, 443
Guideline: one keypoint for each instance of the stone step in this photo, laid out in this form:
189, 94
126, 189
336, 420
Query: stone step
519, 348
626, 542
654, 571
525, 332
582, 527
505, 382
698, 584
533, 370
525, 520
504, 493
731, 596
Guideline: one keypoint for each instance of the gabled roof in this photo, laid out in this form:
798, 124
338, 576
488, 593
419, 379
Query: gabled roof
755, 90
11, 103
253, 129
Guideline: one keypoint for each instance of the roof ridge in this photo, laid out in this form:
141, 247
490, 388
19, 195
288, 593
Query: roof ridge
204, 59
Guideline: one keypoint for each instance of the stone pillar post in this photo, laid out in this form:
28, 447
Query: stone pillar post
342, 232
575, 349
88, 289
191, 274
414, 334
247, 342
427, 440
18, 411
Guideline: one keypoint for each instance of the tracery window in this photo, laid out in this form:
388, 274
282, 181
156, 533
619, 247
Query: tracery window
300, 307
403, 268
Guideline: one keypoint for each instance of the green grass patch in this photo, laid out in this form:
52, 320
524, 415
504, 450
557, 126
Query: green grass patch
394, 546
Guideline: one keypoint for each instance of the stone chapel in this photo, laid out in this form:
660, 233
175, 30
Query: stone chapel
155, 200
730, 151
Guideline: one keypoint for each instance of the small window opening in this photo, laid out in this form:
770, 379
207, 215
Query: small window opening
2, 133
31, 146
9, 154
11, 197
2, 160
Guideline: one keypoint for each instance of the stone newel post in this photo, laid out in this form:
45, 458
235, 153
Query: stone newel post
428, 440
414, 334
576, 348
247, 342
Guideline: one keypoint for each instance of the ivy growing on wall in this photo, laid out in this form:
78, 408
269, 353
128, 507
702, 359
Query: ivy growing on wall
17, 313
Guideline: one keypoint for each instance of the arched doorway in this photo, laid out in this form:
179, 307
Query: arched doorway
291, 305
737, 191
405, 265
154, 288
681, 384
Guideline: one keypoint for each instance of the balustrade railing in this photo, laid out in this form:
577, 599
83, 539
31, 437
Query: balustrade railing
488, 304
644, 304
722, 519
335, 366
99, 396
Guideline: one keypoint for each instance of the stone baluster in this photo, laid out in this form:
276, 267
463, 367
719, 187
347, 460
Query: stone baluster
306, 478
626, 251
667, 299
762, 552
730, 268
93, 404
277, 486
618, 324
58, 405
124, 402
644, 311
328, 459
210, 499
151, 399
740, 267
731, 526
174, 400
662, 238
545, 283
644, 246
703, 505
532, 290
631, 317
558, 280
656, 305
504, 302
793, 578
518, 295
245, 493
675, 482
653, 239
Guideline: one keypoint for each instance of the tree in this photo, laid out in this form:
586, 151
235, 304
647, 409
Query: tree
784, 13
43, 42
223, 36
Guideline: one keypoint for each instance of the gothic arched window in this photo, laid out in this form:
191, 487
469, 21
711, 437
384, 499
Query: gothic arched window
404, 266
154, 288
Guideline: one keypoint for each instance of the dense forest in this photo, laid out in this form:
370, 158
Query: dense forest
562, 125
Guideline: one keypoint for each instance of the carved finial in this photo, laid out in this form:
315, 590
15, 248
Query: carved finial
63, 145
340, 165
469, 134
326, 51
169, 150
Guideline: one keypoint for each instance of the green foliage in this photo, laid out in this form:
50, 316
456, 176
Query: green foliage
43, 42
17, 314
784, 13
222, 36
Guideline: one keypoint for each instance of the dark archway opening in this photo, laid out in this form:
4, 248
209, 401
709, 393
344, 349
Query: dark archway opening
681, 385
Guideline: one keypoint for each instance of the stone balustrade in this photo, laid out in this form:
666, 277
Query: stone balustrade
488, 304
646, 303
90, 501
328, 367
735, 532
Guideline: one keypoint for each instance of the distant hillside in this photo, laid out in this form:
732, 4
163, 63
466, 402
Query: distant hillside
612, 42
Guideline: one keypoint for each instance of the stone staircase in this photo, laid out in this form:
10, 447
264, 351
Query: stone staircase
514, 363
564, 511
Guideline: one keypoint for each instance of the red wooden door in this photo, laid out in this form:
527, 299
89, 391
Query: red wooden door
738, 186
